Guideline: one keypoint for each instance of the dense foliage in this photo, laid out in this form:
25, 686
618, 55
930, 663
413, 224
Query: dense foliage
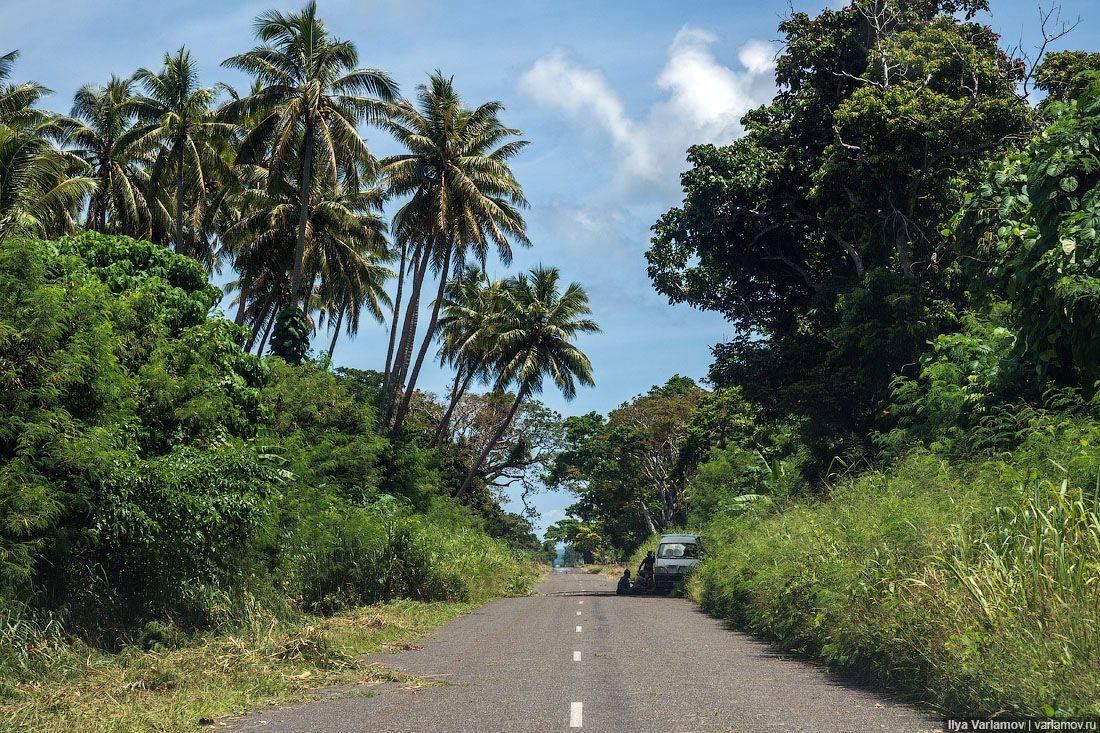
1028, 234
972, 584
152, 471
817, 233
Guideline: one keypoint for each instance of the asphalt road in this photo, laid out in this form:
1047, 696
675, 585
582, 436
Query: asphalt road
577, 656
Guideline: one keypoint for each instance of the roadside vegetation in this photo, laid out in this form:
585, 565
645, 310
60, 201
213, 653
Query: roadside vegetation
894, 464
175, 685
201, 513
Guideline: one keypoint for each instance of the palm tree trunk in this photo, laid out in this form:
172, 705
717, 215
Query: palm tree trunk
335, 334
303, 217
258, 324
458, 389
429, 337
495, 439
396, 312
95, 204
267, 332
242, 307
404, 350
179, 204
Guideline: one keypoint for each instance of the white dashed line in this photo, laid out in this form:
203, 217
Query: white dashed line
576, 656
576, 714
581, 602
578, 613
578, 629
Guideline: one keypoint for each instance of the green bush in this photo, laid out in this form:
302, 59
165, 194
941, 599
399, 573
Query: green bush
352, 556
290, 341
114, 375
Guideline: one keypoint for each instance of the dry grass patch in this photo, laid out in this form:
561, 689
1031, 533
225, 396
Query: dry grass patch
270, 662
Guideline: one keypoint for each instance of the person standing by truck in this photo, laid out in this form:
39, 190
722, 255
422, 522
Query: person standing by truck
645, 571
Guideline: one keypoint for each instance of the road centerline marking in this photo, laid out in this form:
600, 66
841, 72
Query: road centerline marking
576, 714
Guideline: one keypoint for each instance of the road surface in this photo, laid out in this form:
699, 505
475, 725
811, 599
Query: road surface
578, 657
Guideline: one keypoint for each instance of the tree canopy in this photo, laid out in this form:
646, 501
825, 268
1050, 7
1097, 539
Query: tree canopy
818, 233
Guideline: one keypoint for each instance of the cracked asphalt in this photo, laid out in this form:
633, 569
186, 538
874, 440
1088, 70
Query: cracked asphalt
620, 665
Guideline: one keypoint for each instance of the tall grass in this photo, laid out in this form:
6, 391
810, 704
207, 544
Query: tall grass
346, 558
1032, 584
362, 557
976, 587
416, 573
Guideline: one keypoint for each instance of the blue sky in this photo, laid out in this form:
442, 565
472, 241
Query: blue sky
610, 94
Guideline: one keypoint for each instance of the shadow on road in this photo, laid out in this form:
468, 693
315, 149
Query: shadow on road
585, 594
757, 648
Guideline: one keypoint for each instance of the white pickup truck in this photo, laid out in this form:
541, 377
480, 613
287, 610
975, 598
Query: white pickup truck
676, 554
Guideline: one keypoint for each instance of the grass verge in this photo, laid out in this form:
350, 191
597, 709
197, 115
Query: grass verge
175, 689
975, 586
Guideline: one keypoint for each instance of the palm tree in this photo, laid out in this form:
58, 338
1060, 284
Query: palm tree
17, 101
534, 334
179, 122
463, 198
310, 99
470, 312
41, 188
100, 118
345, 248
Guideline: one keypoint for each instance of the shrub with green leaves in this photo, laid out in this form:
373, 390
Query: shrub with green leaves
1029, 234
290, 341
113, 373
964, 379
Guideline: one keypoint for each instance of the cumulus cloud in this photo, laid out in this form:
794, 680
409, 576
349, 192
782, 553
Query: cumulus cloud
704, 101
557, 82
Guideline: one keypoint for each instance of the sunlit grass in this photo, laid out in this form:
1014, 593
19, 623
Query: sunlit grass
975, 587
265, 662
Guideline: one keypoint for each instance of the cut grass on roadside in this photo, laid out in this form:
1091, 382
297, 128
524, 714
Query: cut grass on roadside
167, 690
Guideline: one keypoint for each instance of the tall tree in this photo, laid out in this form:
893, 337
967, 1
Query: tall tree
344, 254
818, 233
311, 95
42, 188
180, 124
96, 130
463, 199
537, 326
469, 315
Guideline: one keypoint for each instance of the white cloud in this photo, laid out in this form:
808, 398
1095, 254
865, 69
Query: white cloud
704, 102
556, 81
758, 57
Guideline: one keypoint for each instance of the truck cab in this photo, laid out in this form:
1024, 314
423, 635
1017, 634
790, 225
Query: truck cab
676, 555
